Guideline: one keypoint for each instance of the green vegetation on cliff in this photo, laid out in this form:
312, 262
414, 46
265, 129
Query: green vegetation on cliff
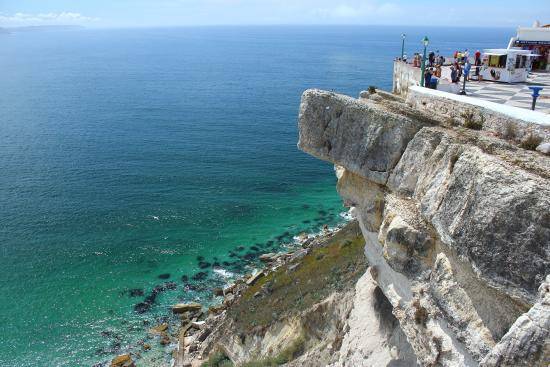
334, 265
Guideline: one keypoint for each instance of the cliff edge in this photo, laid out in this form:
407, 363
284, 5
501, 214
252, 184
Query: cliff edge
445, 264
456, 223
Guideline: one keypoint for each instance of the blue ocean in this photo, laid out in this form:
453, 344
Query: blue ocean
141, 159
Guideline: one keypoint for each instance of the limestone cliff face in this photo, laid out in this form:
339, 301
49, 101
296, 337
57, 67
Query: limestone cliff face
457, 231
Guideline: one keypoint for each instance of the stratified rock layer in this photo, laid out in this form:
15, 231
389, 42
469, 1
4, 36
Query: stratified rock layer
456, 223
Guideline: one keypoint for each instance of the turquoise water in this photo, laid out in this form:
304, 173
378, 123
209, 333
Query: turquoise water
132, 154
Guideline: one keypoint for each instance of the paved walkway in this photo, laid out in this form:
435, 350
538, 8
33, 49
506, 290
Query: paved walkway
517, 95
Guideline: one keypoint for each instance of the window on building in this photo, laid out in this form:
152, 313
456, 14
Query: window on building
497, 61
521, 62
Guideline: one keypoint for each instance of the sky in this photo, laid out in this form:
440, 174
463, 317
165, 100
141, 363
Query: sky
154, 13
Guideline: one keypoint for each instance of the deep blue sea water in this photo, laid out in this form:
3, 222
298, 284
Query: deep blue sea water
128, 154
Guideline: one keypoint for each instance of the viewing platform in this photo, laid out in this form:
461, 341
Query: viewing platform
510, 94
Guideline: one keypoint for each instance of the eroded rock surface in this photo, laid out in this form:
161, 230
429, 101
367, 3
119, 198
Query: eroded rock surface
456, 223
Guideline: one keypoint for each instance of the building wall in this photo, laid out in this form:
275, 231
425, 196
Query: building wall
497, 117
404, 76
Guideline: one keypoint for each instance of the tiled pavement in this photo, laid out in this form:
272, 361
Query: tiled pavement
518, 95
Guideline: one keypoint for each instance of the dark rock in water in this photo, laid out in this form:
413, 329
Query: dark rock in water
254, 248
115, 346
146, 305
270, 243
142, 307
322, 212
305, 206
201, 275
164, 276
250, 256
170, 285
204, 264
237, 267
200, 258
232, 254
216, 264
189, 287
136, 292
109, 334
226, 263
184, 278
306, 221
240, 248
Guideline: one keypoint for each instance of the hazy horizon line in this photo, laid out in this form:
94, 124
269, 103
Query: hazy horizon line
253, 25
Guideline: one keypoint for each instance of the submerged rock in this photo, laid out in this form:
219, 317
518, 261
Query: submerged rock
136, 292
201, 275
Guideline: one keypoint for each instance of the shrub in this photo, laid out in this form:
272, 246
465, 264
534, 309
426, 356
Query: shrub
471, 122
218, 359
420, 313
531, 142
510, 131
372, 89
293, 351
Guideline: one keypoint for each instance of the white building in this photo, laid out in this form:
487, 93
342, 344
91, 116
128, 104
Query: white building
537, 40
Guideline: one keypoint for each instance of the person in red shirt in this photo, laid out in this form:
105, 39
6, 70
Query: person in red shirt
477, 55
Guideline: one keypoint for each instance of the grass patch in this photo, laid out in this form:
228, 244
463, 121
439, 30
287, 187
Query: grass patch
218, 359
510, 131
336, 265
531, 142
471, 122
288, 354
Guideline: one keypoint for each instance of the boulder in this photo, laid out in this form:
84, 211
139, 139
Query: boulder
544, 148
254, 278
269, 257
185, 307
199, 325
159, 329
216, 309
229, 289
123, 360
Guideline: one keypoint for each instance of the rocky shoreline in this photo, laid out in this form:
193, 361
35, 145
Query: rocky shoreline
190, 323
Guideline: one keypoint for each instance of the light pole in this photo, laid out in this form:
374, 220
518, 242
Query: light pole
403, 35
425, 41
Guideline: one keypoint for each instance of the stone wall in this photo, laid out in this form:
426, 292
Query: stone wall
497, 117
404, 76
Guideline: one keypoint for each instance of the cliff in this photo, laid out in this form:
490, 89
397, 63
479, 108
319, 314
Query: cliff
456, 223
446, 263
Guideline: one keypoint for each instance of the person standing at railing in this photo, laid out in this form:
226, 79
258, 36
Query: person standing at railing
477, 63
428, 77
467, 67
453, 74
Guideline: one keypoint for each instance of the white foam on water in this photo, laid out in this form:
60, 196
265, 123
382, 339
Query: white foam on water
346, 215
223, 273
